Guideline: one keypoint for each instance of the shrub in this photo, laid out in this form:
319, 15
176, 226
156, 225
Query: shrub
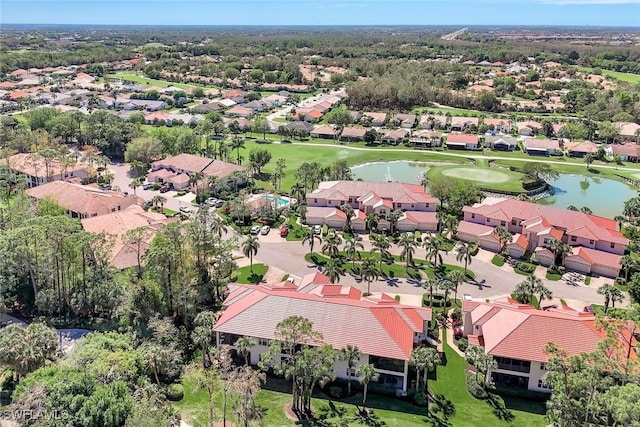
456, 316
474, 249
397, 297
420, 398
513, 168
497, 260
525, 267
335, 391
463, 344
175, 392
474, 387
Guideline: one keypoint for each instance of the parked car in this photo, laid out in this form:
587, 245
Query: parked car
317, 229
255, 229
457, 332
164, 189
284, 232
105, 186
147, 186
185, 209
588, 309
265, 230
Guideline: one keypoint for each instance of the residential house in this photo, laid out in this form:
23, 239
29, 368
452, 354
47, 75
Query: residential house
501, 142
373, 119
177, 169
628, 152
365, 197
425, 139
83, 201
239, 111
460, 124
393, 136
462, 141
597, 243
300, 126
498, 125
324, 132
541, 147
143, 104
516, 335
37, 170
236, 95
529, 128
207, 108
352, 134
629, 131
404, 121
431, 122
580, 148
117, 224
340, 314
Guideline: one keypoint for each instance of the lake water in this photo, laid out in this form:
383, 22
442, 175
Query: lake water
605, 197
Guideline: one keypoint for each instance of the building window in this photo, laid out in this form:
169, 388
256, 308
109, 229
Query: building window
426, 205
514, 222
399, 205
351, 372
473, 215
488, 219
515, 365
543, 366
502, 223
613, 245
383, 212
263, 341
542, 384
574, 238
591, 242
315, 200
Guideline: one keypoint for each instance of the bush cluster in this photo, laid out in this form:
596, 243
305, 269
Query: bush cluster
463, 344
175, 392
525, 267
474, 387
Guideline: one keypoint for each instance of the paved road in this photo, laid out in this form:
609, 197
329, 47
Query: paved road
491, 281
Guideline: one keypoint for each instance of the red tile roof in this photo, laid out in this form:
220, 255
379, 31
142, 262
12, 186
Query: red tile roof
378, 326
521, 332
462, 138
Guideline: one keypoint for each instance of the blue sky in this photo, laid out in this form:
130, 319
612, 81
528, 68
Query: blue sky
323, 12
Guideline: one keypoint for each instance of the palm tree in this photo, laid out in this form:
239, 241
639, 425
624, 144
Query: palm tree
381, 244
194, 178
217, 226
369, 272
559, 249
159, 201
543, 292
243, 346
310, 237
456, 277
332, 242
333, 270
434, 246
424, 359
372, 221
135, 183
351, 247
393, 218
351, 355
298, 192
628, 263
611, 295
451, 222
504, 237
349, 212
588, 159
236, 144
446, 286
429, 284
250, 248
366, 373
408, 244
527, 288
463, 253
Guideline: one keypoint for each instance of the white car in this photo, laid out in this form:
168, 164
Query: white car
255, 229
185, 209
317, 229
265, 230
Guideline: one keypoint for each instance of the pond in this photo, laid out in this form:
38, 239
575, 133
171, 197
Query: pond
605, 197
400, 171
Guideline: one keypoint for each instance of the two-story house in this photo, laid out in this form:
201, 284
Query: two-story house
384, 330
37, 170
516, 334
365, 197
597, 243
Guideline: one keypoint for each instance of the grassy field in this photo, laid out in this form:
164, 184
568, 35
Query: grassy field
244, 274
501, 179
135, 78
624, 77
452, 111
447, 384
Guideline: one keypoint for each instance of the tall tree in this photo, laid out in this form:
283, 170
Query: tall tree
243, 346
310, 237
250, 248
424, 359
350, 354
366, 373
434, 247
333, 270
369, 272
408, 244
463, 253
352, 248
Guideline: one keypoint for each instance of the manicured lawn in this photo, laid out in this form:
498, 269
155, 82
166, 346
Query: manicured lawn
244, 275
390, 269
447, 384
494, 178
625, 77
152, 82
444, 110
497, 261
553, 276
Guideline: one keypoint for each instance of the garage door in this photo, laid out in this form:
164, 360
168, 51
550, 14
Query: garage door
577, 265
490, 245
466, 237
337, 224
406, 226
604, 270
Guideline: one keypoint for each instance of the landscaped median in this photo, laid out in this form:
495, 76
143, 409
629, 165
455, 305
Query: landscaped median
245, 276
391, 267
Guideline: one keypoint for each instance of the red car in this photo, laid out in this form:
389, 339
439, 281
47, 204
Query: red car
284, 231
